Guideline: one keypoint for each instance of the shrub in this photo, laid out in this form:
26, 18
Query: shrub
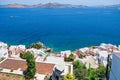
69, 77
81, 56
11, 70
93, 47
86, 78
36, 45
101, 72
69, 58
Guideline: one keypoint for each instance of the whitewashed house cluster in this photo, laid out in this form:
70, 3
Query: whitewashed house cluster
99, 54
15, 50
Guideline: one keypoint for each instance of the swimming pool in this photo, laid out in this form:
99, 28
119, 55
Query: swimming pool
42, 53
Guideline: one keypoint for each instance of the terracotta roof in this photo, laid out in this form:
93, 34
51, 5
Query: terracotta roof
44, 68
41, 68
13, 64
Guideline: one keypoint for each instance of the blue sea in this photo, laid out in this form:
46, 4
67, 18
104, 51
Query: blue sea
60, 29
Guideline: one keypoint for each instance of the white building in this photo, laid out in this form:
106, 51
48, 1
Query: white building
15, 50
65, 53
3, 50
96, 50
3, 53
108, 47
3, 45
37, 52
83, 50
115, 68
61, 70
102, 56
119, 47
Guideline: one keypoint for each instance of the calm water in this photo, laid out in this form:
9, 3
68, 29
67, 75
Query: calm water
60, 29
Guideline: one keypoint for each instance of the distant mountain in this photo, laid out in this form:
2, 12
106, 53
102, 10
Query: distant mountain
52, 5
55, 5
109, 6
13, 6
47, 5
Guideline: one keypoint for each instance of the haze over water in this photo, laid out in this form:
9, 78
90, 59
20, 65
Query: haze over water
61, 29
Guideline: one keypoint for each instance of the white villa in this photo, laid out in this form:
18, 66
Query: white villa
65, 53
61, 70
3, 50
3, 53
3, 45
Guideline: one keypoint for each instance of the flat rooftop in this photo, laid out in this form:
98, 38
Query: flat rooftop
41, 68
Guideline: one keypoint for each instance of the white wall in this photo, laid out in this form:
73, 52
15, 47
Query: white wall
115, 68
3, 53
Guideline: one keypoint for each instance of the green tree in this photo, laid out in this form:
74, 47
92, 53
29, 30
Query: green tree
79, 70
31, 68
76, 64
27, 55
86, 78
81, 73
71, 56
101, 72
69, 77
92, 74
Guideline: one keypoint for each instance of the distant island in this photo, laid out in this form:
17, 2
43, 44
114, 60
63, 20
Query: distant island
47, 5
55, 5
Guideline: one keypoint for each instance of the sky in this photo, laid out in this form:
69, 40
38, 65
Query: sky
74, 2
